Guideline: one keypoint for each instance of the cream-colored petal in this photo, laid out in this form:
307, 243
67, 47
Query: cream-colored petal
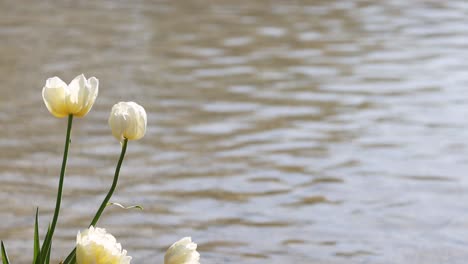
128, 120
119, 127
54, 93
138, 123
117, 121
142, 121
75, 94
92, 85
183, 251
55, 82
96, 246
131, 128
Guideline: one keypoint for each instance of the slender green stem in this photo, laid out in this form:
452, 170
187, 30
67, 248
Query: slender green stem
48, 242
114, 184
71, 258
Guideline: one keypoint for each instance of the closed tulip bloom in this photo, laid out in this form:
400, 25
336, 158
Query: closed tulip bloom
127, 120
183, 251
76, 99
96, 246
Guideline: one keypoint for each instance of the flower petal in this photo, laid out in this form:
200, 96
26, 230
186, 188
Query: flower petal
76, 94
128, 120
96, 246
54, 93
92, 86
183, 251
117, 121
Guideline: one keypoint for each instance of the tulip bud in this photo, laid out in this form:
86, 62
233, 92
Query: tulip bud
76, 99
97, 246
127, 120
183, 251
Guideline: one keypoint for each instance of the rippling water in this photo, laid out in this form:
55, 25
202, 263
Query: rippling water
279, 131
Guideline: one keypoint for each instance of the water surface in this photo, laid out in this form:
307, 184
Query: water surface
278, 131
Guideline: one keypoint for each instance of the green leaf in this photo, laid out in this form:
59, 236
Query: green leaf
47, 259
71, 258
126, 207
44, 251
5, 259
37, 247
48, 256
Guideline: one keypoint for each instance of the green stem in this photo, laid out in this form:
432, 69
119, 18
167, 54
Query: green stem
71, 258
114, 184
48, 241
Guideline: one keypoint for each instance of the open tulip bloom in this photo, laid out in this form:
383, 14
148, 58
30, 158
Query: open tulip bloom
76, 99
95, 245
127, 121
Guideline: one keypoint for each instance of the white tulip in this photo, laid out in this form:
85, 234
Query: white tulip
96, 246
127, 120
183, 251
77, 98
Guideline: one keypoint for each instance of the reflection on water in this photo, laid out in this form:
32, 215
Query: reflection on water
279, 131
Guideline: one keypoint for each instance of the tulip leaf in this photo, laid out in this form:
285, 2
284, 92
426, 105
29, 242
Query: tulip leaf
126, 207
5, 259
71, 258
47, 258
43, 255
37, 246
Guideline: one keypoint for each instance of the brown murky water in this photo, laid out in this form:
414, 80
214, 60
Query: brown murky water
279, 131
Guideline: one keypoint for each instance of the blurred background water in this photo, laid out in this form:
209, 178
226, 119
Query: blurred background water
320, 131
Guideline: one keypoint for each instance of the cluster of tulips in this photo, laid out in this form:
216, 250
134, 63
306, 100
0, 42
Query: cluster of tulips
127, 121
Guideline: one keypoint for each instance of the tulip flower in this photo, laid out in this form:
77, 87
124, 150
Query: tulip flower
76, 99
127, 121
96, 246
183, 251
